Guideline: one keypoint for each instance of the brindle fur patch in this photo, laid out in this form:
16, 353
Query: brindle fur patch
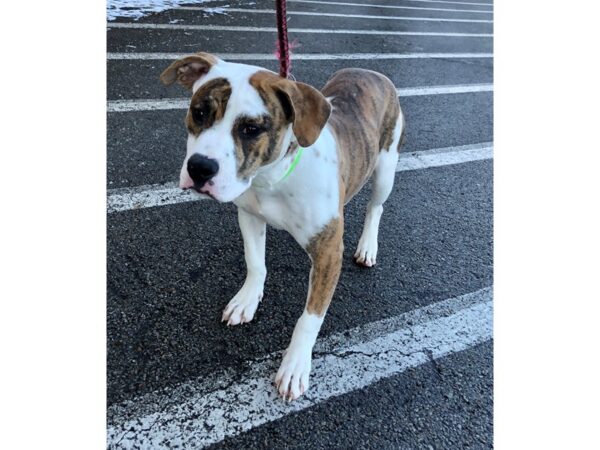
365, 112
253, 153
187, 70
297, 103
390, 119
326, 251
212, 98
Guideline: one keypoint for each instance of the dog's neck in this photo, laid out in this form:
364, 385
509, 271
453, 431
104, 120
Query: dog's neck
270, 176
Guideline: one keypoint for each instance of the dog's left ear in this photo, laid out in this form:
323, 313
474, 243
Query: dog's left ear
305, 107
189, 69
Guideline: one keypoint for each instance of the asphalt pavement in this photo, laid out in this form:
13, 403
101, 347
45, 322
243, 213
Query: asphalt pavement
173, 268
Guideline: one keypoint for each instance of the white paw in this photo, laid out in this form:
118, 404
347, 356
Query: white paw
366, 253
242, 307
292, 377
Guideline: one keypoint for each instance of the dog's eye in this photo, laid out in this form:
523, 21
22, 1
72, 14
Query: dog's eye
200, 114
251, 131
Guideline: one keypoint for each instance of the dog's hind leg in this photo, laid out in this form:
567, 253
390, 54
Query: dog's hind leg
383, 181
242, 307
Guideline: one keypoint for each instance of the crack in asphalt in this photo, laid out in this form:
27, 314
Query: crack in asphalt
357, 352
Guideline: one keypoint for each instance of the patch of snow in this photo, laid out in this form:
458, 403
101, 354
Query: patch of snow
217, 10
135, 9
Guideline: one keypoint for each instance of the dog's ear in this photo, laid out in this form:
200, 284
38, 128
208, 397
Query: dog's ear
305, 107
188, 69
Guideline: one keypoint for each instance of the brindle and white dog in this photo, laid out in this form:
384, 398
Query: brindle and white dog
245, 126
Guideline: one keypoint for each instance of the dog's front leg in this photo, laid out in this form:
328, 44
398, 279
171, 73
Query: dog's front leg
242, 307
325, 250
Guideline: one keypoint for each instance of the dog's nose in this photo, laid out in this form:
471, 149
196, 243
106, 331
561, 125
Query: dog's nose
201, 169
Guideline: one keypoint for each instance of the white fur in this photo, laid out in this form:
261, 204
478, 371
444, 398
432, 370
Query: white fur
293, 374
383, 181
242, 307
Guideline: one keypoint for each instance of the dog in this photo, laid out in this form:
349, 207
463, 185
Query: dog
291, 156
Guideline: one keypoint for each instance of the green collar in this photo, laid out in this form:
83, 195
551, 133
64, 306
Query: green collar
292, 165
287, 173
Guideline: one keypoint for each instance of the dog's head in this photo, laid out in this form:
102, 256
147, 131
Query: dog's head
241, 119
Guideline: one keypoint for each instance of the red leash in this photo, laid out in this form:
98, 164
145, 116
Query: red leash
283, 47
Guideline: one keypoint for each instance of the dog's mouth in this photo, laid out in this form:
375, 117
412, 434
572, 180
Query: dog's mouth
201, 190
210, 189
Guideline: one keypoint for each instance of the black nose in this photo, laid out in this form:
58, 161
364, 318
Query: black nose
201, 169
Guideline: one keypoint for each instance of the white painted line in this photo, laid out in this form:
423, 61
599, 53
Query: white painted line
148, 403
345, 16
321, 3
147, 105
147, 196
304, 56
152, 195
445, 156
216, 407
451, 3
438, 90
183, 103
170, 26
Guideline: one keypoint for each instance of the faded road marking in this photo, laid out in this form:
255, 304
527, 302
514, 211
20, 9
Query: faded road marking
200, 413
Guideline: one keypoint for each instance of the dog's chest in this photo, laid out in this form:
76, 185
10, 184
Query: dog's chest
306, 202
280, 214
271, 207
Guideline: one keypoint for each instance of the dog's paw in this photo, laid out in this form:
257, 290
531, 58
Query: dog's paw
242, 307
366, 253
293, 374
